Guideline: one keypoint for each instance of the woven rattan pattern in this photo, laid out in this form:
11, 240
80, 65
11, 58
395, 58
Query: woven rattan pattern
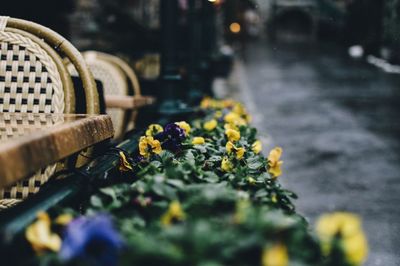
29, 83
114, 84
12, 126
29, 79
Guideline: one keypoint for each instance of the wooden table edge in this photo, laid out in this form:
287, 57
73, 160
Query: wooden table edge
53, 141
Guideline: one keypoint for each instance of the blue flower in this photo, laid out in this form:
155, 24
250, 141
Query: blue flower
92, 239
171, 137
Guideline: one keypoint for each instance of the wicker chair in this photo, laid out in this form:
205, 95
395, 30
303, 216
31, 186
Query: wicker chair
33, 79
118, 79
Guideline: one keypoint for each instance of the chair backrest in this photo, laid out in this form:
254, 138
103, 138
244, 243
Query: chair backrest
33, 79
30, 80
133, 80
114, 82
118, 78
125, 67
64, 49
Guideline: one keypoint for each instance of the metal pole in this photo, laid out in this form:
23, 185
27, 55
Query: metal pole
194, 64
209, 46
170, 78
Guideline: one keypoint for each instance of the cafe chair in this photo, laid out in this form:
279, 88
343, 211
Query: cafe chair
34, 79
121, 89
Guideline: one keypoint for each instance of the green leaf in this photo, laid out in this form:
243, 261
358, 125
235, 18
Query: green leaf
175, 182
95, 201
254, 163
201, 148
211, 177
261, 193
215, 158
109, 191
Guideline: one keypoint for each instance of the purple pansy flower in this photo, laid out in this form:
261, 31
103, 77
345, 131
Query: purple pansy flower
171, 137
174, 131
92, 239
138, 159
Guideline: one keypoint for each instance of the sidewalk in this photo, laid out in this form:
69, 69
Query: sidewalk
337, 125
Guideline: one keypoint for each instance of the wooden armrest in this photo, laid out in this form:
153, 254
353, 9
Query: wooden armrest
31, 142
128, 102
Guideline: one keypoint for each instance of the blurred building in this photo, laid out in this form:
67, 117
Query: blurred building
125, 26
53, 14
391, 31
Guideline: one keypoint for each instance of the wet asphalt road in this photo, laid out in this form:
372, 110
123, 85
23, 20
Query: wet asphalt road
338, 123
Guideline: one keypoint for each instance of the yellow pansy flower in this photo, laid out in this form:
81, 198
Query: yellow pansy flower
234, 118
248, 118
124, 165
233, 135
148, 145
240, 153
231, 117
330, 224
273, 162
227, 103
40, 237
226, 165
185, 126
230, 126
210, 125
64, 219
198, 141
356, 248
256, 147
240, 122
205, 103
239, 109
218, 114
156, 146
276, 255
348, 227
230, 147
154, 129
143, 146
208, 102
174, 213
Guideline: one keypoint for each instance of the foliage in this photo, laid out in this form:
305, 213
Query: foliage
207, 197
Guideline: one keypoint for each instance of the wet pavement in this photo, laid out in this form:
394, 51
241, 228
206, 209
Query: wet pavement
338, 123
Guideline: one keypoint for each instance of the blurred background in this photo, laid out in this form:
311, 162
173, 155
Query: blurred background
320, 77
